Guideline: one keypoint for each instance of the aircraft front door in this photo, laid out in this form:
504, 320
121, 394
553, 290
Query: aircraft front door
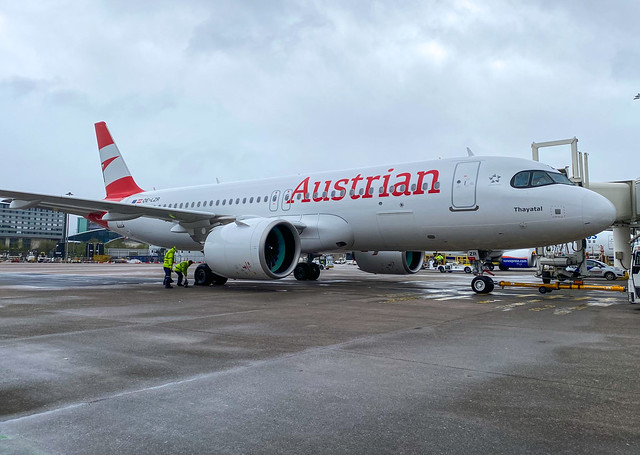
463, 193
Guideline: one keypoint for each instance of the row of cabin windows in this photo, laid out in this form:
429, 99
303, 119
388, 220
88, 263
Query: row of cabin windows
230, 201
342, 193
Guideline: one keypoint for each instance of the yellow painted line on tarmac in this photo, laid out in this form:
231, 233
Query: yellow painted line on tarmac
562, 311
571, 309
511, 306
543, 308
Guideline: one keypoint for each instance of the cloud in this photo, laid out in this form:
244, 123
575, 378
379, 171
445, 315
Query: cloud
236, 90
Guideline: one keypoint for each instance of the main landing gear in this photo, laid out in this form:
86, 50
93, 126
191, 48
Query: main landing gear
306, 271
203, 276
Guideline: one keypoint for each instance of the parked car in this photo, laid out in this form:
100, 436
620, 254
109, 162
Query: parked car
600, 269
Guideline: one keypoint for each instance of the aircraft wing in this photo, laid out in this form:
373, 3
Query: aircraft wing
115, 211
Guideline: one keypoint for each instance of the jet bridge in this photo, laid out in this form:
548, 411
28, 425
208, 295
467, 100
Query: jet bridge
624, 195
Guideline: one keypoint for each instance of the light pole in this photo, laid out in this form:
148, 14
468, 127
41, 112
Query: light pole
66, 233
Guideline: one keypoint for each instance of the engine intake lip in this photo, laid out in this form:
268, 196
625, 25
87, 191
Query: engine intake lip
280, 249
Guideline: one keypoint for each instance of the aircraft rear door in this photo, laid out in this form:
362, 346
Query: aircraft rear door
463, 193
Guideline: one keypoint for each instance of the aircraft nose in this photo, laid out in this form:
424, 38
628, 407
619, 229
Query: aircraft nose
598, 213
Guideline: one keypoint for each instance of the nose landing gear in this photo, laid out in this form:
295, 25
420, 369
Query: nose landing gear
482, 284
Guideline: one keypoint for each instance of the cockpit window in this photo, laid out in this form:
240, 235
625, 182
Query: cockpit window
540, 178
521, 179
530, 179
560, 178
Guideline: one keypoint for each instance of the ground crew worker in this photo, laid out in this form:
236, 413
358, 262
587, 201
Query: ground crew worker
168, 267
182, 269
440, 259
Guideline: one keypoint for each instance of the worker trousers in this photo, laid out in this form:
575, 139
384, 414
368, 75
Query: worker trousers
167, 277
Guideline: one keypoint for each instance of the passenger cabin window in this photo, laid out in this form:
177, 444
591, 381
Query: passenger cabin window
531, 179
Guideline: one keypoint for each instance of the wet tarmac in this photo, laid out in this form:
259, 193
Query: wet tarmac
101, 359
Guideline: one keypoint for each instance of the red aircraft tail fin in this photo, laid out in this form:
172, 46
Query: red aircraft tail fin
118, 182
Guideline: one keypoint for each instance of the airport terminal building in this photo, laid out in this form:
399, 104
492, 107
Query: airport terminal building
27, 228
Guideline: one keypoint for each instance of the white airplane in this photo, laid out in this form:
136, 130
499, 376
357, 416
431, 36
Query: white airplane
598, 246
387, 215
517, 259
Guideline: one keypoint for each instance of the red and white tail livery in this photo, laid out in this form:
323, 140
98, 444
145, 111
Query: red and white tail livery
118, 182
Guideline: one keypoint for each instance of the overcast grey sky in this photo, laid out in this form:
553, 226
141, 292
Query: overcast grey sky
196, 90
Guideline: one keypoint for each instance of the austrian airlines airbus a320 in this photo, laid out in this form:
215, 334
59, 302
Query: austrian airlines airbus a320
388, 215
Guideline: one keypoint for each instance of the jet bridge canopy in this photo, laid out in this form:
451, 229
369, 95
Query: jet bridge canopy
624, 195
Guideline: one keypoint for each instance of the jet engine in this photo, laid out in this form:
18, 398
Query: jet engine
253, 248
390, 262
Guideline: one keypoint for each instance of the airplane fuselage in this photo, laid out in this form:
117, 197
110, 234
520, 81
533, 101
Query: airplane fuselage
451, 204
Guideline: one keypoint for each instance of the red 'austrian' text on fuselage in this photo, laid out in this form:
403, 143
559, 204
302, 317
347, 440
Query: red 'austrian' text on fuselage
400, 187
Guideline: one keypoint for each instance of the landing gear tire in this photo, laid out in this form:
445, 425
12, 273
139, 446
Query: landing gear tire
314, 272
203, 276
503, 268
306, 271
546, 277
482, 285
219, 280
302, 271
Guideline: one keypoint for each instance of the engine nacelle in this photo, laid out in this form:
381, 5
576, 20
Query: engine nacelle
522, 258
254, 248
390, 262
